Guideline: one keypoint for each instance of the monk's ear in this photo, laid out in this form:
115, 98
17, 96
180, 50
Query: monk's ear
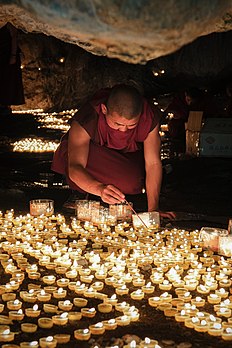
103, 108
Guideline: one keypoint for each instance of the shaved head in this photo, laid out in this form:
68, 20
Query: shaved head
126, 101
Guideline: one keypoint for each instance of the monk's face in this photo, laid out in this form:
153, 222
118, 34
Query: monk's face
115, 121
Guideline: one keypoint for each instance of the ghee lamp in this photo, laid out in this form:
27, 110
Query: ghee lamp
48, 342
6, 336
224, 312
227, 334
43, 296
29, 297
60, 293
123, 320
222, 293
88, 312
49, 279
8, 296
137, 295
63, 282
45, 323
182, 316
191, 322
14, 305
73, 317
168, 311
215, 329
50, 308
154, 301
198, 301
28, 327
97, 329
122, 290
16, 315
203, 289
166, 297
50, 289
82, 334
32, 312
61, 319
5, 320
213, 299
89, 292
65, 305
225, 283
62, 338
202, 326
148, 343
80, 302
148, 288
133, 313
111, 300
139, 282
122, 306
98, 286
32, 344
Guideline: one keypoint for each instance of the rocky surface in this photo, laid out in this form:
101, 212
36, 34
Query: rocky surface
73, 48
133, 31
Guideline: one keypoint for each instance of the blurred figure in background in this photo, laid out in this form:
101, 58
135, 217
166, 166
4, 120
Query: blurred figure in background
11, 86
192, 99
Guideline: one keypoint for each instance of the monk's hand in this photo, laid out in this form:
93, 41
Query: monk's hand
111, 194
167, 215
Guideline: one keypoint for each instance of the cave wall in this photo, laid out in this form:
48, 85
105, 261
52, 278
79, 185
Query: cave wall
59, 76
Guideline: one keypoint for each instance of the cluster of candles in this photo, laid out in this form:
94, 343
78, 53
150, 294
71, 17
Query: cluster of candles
74, 273
34, 145
59, 121
94, 212
52, 120
217, 239
55, 120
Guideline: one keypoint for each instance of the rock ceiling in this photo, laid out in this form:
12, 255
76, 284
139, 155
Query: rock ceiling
107, 41
132, 31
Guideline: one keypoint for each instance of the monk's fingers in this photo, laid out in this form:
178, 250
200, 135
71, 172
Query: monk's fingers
168, 214
110, 200
112, 195
115, 192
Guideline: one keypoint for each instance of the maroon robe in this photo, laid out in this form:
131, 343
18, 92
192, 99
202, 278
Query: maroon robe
115, 157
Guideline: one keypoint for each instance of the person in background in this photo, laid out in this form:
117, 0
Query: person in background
199, 100
192, 99
11, 86
112, 149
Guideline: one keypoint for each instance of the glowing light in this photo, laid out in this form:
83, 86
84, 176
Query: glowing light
34, 145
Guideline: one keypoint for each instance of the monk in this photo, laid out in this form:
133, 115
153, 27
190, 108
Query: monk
113, 148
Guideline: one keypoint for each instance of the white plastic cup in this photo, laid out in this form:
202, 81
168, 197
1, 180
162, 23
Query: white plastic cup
41, 207
150, 219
